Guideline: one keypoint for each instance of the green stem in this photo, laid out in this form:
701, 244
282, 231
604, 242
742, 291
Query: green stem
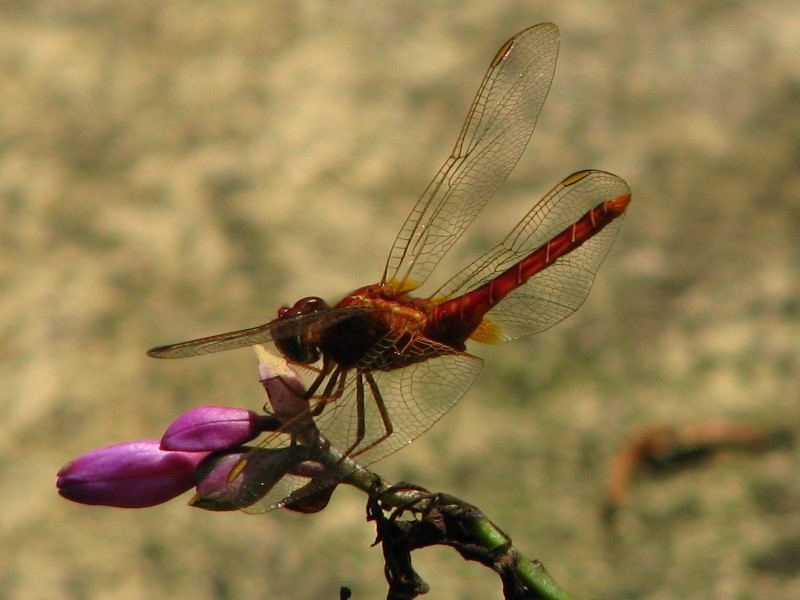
531, 573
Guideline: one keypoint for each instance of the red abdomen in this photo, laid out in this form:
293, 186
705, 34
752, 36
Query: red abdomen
452, 322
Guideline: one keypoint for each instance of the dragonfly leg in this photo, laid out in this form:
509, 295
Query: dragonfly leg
360, 415
327, 366
388, 428
333, 391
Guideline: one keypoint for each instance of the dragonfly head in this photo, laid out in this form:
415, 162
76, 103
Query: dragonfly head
299, 342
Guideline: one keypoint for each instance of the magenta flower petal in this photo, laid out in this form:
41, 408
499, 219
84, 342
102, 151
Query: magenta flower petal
311, 503
263, 468
128, 475
213, 428
284, 386
314, 496
215, 490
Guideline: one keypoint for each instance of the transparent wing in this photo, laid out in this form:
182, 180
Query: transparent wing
495, 133
277, 329
559, 289
381, 411
406, 401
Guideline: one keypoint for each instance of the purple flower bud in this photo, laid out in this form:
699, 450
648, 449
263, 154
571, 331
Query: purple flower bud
312, 502
128, 475
309, 469
257, 473
284, 386
215, 428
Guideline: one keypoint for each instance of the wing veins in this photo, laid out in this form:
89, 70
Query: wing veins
520, 78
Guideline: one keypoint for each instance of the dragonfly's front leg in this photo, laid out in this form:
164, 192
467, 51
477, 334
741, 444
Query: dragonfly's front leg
327, 366
333, 391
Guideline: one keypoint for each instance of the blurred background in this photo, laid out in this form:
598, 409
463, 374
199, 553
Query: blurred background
176, 169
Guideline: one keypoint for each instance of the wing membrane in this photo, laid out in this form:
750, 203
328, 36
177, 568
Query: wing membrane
557, 291
260, 334
414, 398
495, 133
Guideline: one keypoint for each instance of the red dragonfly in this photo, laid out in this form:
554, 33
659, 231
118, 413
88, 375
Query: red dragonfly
391, 364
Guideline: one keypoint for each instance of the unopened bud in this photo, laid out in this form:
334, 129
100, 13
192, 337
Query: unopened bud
128, 475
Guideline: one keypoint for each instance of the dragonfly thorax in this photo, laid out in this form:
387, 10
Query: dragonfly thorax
380, 328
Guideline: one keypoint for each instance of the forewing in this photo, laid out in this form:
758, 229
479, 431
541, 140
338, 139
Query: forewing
556, 292
495, 133
274, 330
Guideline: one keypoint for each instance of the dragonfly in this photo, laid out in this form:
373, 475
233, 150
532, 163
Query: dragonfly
389, 364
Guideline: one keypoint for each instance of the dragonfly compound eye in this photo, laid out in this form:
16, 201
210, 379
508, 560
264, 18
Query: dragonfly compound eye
298, 342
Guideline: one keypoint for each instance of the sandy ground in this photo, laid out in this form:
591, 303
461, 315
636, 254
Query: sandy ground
175, 169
